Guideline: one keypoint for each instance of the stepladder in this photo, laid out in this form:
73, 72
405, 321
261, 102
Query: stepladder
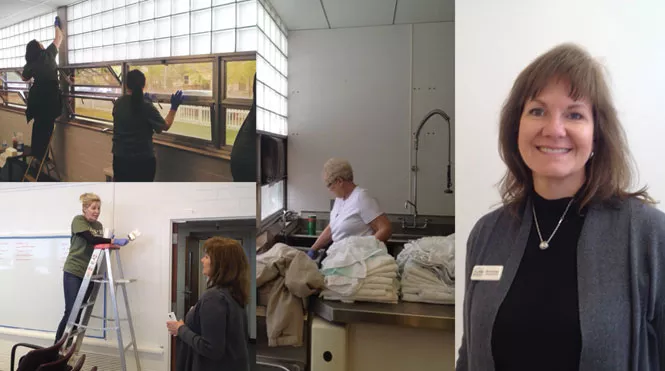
46, 162
98, 273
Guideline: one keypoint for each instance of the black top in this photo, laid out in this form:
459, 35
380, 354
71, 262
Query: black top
93, 240
537, 326
215, 335
44, 68
132, 132
44, 98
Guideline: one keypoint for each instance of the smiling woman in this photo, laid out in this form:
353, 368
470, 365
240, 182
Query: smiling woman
555, 139
566, 207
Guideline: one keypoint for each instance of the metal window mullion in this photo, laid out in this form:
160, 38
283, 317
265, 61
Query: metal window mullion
125, 71
222, 94
235, 29
259, 172
80, 96
285, 176
217, 140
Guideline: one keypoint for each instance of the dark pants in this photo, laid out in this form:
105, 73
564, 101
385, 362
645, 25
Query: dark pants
71, 284
41, 135
127, 169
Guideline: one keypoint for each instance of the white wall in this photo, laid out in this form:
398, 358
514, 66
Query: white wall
150, 207
489, 55
357, 93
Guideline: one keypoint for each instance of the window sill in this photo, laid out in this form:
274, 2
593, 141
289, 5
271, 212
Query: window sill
12, 109
223, 153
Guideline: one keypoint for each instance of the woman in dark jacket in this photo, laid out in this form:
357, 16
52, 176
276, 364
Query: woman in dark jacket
214, 335
135, 120
568, 274
44, 99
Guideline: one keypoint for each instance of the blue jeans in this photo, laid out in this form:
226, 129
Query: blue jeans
71, 284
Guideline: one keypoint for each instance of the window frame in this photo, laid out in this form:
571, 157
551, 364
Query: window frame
272, 218
5, 89
217, 147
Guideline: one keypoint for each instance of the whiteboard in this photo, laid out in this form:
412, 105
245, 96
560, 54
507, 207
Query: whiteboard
31, 273
34, 243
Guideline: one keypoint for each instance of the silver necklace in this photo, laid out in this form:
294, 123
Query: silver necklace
544, 244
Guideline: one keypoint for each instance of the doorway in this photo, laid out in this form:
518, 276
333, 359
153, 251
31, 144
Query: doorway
188, 282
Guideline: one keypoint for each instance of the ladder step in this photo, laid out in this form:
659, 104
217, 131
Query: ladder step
89, 304
96, 328
129, 345
110, 319
121, 281
30, 178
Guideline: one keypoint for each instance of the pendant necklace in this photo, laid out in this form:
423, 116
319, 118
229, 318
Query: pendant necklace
544, 244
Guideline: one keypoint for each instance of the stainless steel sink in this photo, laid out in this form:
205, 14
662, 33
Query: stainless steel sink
406, 237
270, 367
276, 365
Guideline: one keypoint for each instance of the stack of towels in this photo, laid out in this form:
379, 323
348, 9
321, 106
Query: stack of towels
360, 269
427, 270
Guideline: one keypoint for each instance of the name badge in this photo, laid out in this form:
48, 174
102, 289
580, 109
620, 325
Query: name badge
486, 272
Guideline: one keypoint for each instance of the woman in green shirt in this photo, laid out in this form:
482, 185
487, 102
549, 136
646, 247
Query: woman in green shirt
87, 232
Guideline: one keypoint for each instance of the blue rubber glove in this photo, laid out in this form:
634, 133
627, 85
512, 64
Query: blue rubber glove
313, 254
150, 97
57, 22
177, 99
121, 241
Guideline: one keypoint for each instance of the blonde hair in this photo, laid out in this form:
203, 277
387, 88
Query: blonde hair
337, 168
88, 198
608, 173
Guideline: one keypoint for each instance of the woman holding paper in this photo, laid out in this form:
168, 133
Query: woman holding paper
214, 334
87, 232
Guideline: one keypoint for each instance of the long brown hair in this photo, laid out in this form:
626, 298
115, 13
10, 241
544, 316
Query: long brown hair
229, 267
609, 173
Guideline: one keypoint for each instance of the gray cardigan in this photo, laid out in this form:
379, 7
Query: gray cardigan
215, 335
621, 284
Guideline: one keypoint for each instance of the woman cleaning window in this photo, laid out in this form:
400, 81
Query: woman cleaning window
44, 98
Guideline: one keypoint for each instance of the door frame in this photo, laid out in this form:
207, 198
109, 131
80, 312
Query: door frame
243, 228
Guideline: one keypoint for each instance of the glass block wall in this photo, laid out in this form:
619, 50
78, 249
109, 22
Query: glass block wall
112, 30
14, 38
272, 92
271, 72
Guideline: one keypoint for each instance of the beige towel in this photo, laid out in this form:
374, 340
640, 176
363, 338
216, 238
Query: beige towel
285, 277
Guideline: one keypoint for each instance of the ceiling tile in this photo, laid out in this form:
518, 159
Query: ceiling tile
421, 11
15, 11
301, 14
359, 13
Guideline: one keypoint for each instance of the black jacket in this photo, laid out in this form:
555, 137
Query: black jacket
215, 335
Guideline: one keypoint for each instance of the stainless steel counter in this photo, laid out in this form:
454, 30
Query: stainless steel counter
419, 315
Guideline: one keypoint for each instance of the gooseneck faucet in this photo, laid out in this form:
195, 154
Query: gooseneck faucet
414, 218
414, 168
